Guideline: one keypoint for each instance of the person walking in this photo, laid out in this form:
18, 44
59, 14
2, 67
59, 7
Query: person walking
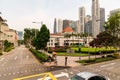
66, 60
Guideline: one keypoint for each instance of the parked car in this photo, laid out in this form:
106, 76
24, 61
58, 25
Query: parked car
88, 76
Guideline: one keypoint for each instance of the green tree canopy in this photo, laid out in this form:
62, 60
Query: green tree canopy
29, 35
42, 38
113, 24
104, 39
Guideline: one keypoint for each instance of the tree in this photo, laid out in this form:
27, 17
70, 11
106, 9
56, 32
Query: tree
104, 39
112, 26
42, 38
73, 35
67, 35
29, 35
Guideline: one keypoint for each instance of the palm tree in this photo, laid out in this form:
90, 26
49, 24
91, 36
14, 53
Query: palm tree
73, 35
67, 35
78, 35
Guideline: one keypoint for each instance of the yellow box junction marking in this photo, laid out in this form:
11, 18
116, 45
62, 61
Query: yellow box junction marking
48, 74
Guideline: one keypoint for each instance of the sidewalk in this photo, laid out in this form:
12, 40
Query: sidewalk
70, 62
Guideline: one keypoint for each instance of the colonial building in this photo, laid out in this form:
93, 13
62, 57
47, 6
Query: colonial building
7, 34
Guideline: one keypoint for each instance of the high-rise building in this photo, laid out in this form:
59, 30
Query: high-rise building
20, 35
102, 19
60, 25
82, 18
114, 11
65, 23
95, 18
73, 25
55, 26
88, 25
78, 29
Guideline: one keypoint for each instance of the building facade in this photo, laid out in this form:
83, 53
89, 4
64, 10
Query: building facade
102, 19
20, 35
82, 18
78, 29
60, 25
59, 40
95, 18
55, 26
7, 34
88, 25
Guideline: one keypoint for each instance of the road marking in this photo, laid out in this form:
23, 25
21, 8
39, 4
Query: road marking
9, 74
2, 59
15, 57
4, 63
57, 76
107, 65
27, 57
5, 74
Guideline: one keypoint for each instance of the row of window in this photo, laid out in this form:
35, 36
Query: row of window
9, 35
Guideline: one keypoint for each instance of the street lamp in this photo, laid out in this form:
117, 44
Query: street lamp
37, 23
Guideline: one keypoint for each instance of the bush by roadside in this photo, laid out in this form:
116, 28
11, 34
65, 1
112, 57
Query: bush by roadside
0, 52
41, 56
96, 60
9, 48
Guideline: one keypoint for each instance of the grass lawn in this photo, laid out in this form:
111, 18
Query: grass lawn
97, 60
71, 54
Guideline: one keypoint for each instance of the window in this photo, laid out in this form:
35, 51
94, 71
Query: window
97, 78
51, 40
77, 78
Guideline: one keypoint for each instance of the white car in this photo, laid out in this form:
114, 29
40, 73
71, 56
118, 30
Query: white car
89, 76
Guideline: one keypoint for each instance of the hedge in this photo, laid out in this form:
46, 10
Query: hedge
41, 56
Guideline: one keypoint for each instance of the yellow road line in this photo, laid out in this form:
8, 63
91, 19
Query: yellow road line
43, 74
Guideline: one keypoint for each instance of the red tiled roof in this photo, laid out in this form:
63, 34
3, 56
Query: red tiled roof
68, 29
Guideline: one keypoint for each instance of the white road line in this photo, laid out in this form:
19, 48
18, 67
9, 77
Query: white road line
2, 59
27, 57
107, 65
15, 57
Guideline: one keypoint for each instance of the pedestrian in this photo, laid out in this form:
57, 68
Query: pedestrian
49, 59
66, 60
55, 60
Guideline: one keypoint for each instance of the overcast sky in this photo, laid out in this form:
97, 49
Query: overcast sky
21, 13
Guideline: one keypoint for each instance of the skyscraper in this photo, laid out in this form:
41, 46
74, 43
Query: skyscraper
95, 18
60, 25
88, 25
20, 35
78, 26
82, 18
102, 19
55, 26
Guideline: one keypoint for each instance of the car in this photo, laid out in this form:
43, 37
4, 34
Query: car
88, 76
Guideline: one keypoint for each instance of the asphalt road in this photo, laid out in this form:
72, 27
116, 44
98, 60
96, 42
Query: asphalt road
110, 69
19, 63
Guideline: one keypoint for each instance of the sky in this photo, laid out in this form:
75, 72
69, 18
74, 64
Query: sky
21, 14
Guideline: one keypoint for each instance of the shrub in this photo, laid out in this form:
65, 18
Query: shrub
0, 52
9, 48
42, 56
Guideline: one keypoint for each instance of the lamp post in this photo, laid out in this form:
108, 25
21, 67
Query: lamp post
37, 23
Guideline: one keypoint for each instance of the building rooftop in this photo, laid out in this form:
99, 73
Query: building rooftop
68, 29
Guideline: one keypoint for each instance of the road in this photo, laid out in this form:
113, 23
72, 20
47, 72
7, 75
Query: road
109, 69
20, 62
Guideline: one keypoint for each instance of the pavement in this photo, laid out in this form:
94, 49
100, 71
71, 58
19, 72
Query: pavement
71, 61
